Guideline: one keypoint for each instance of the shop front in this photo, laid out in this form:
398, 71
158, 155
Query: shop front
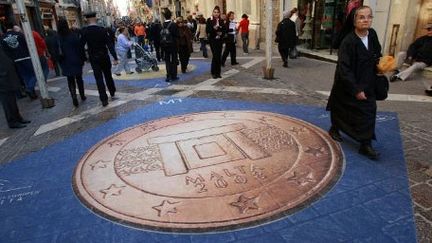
6, 13
322, 21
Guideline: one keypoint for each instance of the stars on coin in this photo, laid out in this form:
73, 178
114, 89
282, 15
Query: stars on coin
297, 130
112, 190
166, 207
116, 142
148, 128
99, 164
245, 203
316, 151
302, 178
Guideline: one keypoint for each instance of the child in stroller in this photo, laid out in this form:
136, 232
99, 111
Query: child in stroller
144, 59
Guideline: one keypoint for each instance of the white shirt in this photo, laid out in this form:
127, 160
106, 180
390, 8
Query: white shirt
365, 40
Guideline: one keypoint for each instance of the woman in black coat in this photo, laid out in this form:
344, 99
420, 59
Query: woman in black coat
216, 31
9, 86
71, 58
352, 102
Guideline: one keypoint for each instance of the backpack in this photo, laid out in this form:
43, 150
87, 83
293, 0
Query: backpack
166, 37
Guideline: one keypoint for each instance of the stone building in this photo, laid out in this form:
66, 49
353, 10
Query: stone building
397, 22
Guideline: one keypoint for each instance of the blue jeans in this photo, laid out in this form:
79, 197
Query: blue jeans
245, 40
203, 47
26, 72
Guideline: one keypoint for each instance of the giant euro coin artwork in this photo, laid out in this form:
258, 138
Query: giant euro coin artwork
208, 171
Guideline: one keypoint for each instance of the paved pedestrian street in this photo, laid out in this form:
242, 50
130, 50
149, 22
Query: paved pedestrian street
235, 159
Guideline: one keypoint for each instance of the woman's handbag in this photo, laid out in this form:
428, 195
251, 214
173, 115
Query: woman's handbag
381, 87
293, 54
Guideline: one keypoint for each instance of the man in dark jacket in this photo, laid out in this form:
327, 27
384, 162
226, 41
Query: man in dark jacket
15, 47
170, 49
99, 42
286, 37
9, 85
418, 56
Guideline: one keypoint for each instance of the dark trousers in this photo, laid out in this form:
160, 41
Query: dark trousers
245, 40
184, 56
171, 62
73, 82
216, 48
203, 47
10, 107
230, 48
158, 50
284, 54
26, 73
102, 68
141, 40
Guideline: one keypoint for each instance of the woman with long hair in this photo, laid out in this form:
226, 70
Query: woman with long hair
71, 58
352, 101
230, 41
216, 30
184, 43
202, 35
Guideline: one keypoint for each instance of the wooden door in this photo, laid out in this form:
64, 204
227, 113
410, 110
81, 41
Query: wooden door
425, 17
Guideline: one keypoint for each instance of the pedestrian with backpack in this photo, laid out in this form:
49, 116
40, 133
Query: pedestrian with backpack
169, 36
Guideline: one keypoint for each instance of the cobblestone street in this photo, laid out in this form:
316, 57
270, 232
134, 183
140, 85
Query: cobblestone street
302, 86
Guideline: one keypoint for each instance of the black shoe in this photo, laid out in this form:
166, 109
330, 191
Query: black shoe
334, 133
16, 125
428, 92
167, 80
24, 121
234, 63
285, 65
394, 78
175, 79
369, 152
218, 76
32, 95
83, 97
75, 102
130, 73
104, 102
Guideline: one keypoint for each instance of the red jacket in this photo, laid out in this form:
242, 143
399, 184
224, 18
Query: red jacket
40, 43
244, 25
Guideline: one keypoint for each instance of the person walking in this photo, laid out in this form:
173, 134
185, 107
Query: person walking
202, 35
52, 42
41, 48
352, 102
286, 37
216, 30
123, 47
9, 86
169, 37
230, 40
15, 47
71, 55
156, 38
140, 33
244, 33
98, 44
185, 43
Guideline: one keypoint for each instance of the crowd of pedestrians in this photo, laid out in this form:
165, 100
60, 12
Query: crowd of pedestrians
352, 102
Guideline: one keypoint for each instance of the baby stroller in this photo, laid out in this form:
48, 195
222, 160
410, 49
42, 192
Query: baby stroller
144, 60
